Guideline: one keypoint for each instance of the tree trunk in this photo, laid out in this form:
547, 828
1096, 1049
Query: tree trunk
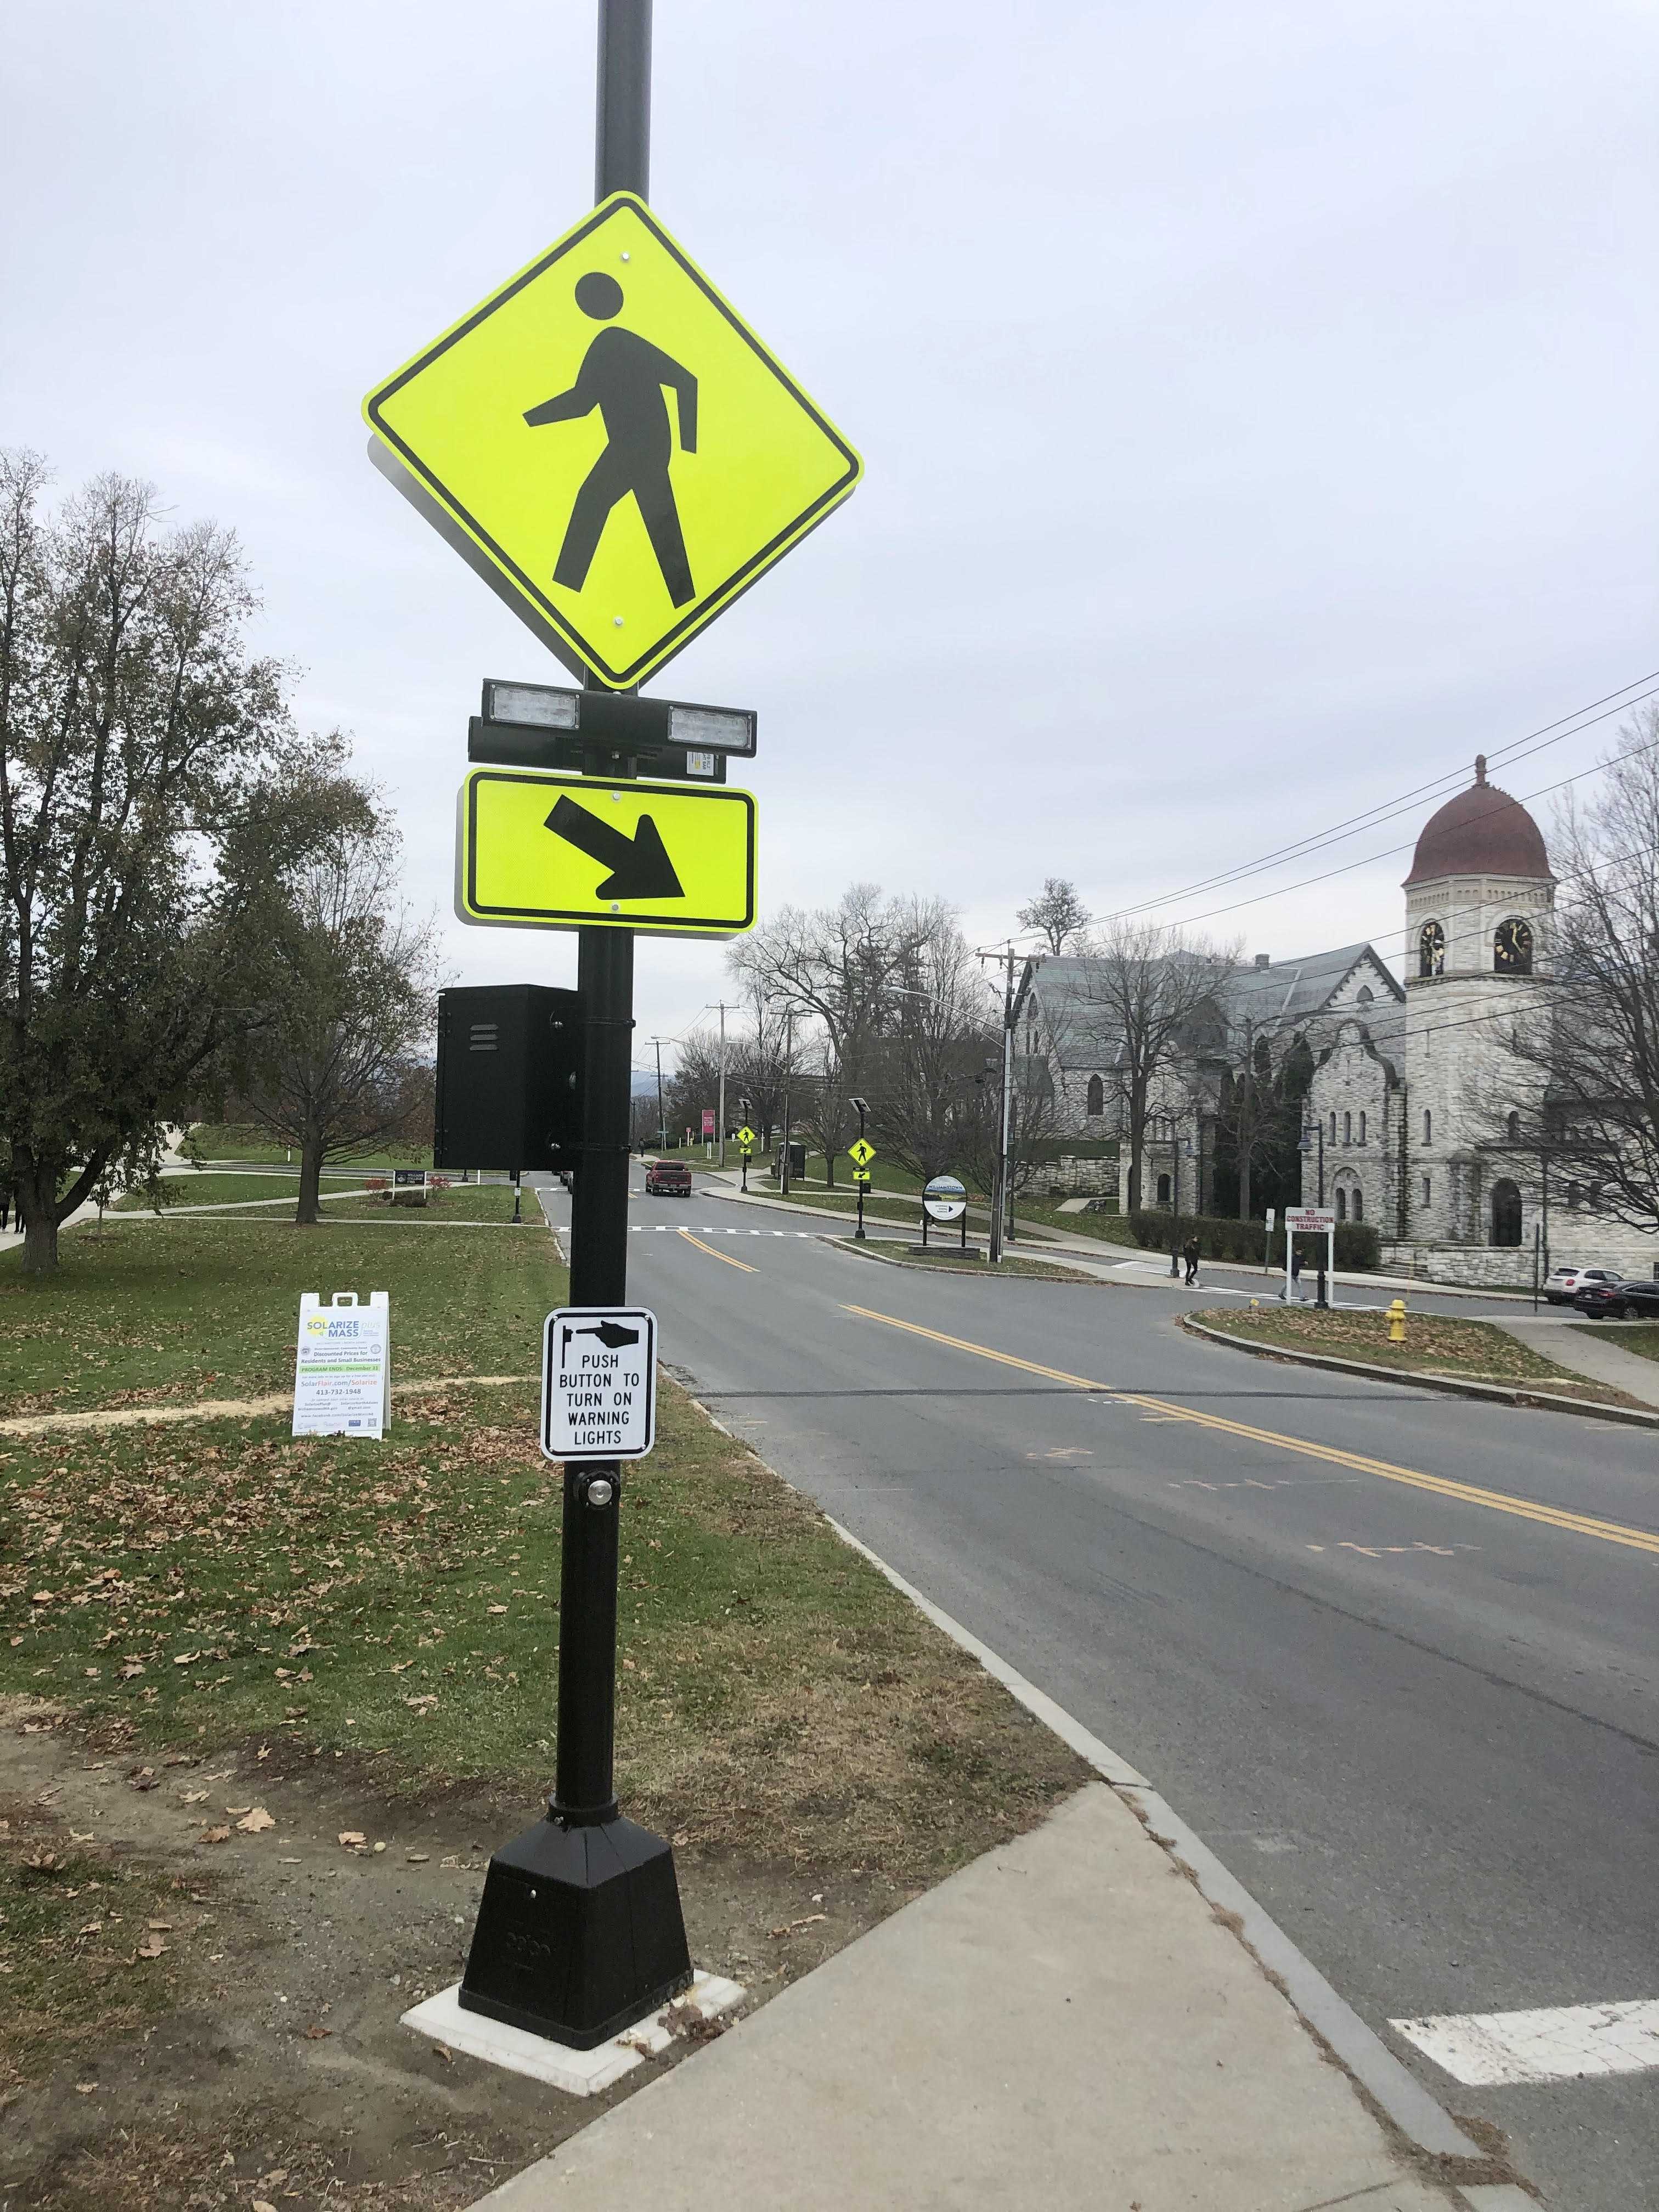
306, 1214
1245, 1151
38, 1187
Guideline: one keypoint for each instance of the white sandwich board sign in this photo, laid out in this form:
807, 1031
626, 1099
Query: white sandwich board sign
598, 1382
342, 1366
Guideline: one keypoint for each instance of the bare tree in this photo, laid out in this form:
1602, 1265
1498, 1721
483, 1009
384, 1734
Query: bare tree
927, 1100
153, 802
343, 1067
694, 1084
1150, 985
1057, 912
1587, 1039
836, 968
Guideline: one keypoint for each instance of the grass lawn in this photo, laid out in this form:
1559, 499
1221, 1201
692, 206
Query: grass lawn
1435, 1345
265, 1704
471, 1201
210, 1188
222, 1141
968, 1263
1641, 1337
196, 1306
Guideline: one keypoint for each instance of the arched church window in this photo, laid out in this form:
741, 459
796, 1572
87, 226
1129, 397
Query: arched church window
1364, 995
1512, 1127
1362, 1127
1511, 948
1505, 1212
1347, 1128
1163, 1190
1359, 1206
1428, 1125
1333, 1125
1432, 950
1096, 1096
1342, 1206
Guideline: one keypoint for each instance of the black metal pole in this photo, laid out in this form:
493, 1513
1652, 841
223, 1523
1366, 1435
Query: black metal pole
580, 1932
621, 123
1320, 1296
1174, 1195
859, 1235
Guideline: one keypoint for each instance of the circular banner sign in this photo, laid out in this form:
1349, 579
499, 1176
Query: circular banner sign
944, 1199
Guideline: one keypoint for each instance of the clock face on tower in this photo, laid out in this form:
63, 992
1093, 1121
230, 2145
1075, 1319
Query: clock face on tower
1512, 953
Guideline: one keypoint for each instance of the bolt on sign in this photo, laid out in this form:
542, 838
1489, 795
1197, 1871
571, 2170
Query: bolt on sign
550, 852
616, 442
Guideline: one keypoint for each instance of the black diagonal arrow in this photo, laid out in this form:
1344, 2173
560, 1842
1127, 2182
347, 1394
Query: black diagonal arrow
640, 868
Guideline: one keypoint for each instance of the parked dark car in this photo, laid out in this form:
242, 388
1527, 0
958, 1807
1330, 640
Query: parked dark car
668, 1179
1635, 1300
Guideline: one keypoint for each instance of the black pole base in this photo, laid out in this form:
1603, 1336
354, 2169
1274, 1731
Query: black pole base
578, 1933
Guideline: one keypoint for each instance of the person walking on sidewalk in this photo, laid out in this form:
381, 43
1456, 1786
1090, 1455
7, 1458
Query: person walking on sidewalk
1190, 1254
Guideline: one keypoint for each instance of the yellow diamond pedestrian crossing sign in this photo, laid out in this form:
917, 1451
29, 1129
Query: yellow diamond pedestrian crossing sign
861, 1152
570, 852
622, 453
746, 1138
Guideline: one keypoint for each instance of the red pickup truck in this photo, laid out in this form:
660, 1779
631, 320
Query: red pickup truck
668, 1178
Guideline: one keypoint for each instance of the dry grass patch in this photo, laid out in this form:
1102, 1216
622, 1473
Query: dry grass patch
1436, 1343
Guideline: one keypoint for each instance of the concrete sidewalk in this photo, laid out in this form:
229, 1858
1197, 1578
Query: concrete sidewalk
1571, 1341
1065, 2023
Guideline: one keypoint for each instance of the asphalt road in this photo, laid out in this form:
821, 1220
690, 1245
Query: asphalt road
1419, 1723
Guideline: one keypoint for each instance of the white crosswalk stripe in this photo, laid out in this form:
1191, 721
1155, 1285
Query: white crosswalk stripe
1556, 2043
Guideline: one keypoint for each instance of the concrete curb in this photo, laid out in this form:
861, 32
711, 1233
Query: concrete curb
987, 1273
1419, 2115
1502, 1393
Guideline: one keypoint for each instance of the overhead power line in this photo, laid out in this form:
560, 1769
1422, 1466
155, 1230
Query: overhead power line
1553, 733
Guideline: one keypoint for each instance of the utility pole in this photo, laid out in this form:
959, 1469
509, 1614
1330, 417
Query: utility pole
662, 1126
1002, 1196
788, 1057
719, 1161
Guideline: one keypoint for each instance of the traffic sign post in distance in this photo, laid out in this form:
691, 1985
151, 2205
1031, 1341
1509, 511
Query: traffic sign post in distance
746, 1151
944, 1200
547, 852
606, 439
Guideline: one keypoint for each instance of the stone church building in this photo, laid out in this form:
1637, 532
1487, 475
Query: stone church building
1411, 1105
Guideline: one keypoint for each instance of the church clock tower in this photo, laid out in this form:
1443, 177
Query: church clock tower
1478, 905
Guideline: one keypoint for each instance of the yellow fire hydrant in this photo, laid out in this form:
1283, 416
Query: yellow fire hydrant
1397, 1322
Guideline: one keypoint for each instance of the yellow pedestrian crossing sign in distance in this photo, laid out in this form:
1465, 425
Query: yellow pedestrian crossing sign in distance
746, 1138
570, 852
616, 443
860, 1152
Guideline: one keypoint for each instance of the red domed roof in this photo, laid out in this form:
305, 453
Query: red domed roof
1481, 832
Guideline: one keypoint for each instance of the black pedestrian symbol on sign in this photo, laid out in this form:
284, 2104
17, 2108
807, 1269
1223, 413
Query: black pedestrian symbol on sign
622, 376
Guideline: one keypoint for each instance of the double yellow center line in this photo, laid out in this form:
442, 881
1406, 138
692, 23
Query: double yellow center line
742, 1264
1466, 1493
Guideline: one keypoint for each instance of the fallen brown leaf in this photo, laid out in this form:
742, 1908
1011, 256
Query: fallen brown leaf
234, 1810
353, 1838
315, 2034
216, 1835
152, 1947
256, 1821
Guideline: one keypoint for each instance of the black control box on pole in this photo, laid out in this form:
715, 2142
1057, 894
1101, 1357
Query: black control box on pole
579, 1931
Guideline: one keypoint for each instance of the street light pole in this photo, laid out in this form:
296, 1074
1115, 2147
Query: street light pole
662, 1125
858, 1236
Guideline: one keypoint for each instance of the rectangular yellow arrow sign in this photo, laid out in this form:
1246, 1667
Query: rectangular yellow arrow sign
571, 852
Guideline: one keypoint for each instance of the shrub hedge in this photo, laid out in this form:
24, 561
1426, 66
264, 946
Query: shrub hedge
1218, 1239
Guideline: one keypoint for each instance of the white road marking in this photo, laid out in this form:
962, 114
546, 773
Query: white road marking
1558, 2043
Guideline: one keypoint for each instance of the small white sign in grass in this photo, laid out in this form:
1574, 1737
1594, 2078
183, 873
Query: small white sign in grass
342, 1366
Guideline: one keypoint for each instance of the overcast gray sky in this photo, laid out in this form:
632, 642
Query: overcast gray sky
1256, 400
